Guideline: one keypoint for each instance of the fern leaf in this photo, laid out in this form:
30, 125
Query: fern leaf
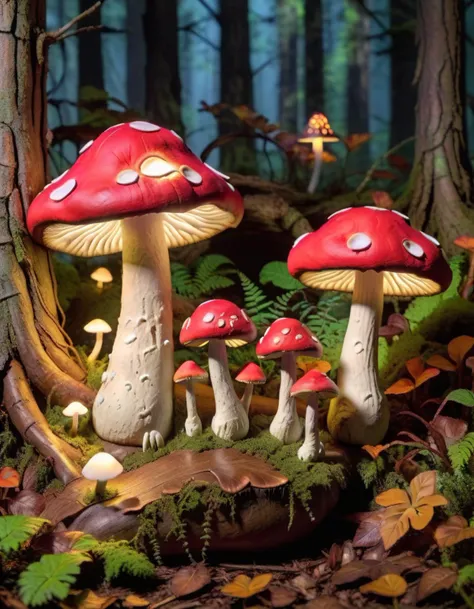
182, 280
16, 530
119, 558
211, 284
208, 265
50, 578
461, 452
256, 303
277, 274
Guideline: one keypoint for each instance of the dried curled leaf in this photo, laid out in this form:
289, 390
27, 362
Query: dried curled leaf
190, 579
390, 585
245, 587
453, 531
434, 580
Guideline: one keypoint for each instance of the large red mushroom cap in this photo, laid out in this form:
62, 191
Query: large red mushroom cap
318, 127
370, 238
287, 334
315, 382
190, 371
251, 373
218, 319
129, 170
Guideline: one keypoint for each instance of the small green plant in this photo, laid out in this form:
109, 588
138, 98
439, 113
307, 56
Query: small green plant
17, 530
205, 276
461, 452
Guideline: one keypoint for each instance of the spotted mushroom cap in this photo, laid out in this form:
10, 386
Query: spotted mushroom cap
132, 169
190, 371
318, 127
287, 334
315, 382
251, 373
370, 238
218, 319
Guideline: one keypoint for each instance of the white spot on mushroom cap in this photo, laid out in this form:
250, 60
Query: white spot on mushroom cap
413, 248
245, 316
261, 340
63, 191
176, 134
276, 340
299, 239
285, 331
221, 323
376, 208
86, 146
266, 332
234, 317
156, 167
432, 239
299, 336
399, 213
144, 126
59, 177
131, 338
187, 323
230, 186
208, 317
191, 176
217, 172
359, 241
315, 339
339, 212
126, 177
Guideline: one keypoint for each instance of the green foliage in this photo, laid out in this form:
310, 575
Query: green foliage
86, 440
50, 578
370, 470
277, 274
461, 452
67, 279
205, 276
461, 396
121, 559
256, 302
458, 490
465, 576
16, 530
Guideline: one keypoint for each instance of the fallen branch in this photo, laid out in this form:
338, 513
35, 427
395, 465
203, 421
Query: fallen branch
31, 423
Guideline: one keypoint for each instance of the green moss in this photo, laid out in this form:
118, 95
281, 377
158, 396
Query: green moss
86, 440
91, 496
459, 490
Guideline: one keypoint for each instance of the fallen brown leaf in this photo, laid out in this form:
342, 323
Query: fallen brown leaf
87, 599
368, 533
244, 587
324, 602
281, 596
26, 503
190, 579
390, 585
453, 531
434, 580
132, 600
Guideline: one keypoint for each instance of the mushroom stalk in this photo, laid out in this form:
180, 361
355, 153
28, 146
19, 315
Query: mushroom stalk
99, 338
192, 425
312, 447
317, 145
231, 421
246, 398
74, 425
360, 414
286, 425
136, 393
100, 488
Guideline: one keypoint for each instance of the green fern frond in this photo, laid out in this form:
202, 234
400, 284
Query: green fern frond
466, 575
50, 578
207, 266
256, 303
16, 530
212, 284
182, 280
278, 275
120, 559
462, 451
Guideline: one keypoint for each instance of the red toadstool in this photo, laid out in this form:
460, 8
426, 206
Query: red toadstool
140, 190
314, 385
189, 372
369, 251
316, 132
220, 323
285, 339
251, 374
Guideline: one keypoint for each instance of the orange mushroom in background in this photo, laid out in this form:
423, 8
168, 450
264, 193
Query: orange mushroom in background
9, 478
316, 132
466, 242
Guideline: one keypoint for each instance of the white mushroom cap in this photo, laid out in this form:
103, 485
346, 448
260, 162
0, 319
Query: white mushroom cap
74, 408
102, 274
97, 325
102, 467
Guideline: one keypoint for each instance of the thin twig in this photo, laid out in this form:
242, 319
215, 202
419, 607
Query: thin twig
371, 14
67, 26
210, 10
259, 567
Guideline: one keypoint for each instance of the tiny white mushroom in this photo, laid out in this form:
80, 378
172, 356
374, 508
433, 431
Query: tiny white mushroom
101, 468
74, 410
99, 327
101, 276
63, 191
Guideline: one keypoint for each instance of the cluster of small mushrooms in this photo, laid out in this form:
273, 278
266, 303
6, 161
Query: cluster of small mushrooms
140, 190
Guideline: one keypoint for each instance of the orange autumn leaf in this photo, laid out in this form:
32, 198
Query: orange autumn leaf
307, 364
458, 348
453, 531
390, 585
420, 374
245, 587
383, 174
328, 157
415, 507
374, 451
426, 375
465, 241
9, 477
381, 198
400, 386
438, 361
355, 140
415, 367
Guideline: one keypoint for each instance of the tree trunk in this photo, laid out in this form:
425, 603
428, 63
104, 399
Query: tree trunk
441, 202
90, 50
403, 57
236, 80
314, 70
288, 40
29, 328
135, 55
163, 83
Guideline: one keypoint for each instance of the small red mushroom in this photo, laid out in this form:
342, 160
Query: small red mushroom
189, 372
316, 132
140, 190
285, 339
251, 374
314, 385
220, 323
369, 251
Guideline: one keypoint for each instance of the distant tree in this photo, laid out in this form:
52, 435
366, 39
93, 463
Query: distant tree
163, 83
314, 56
91, 71
287, 19
136, 54
441, 200
403, 60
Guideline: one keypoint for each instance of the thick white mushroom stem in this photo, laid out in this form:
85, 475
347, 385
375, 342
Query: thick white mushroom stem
94, 354
317, 145
192, 425
286, 425
362, 405
137, 389
230, 421
246, 398
312, 448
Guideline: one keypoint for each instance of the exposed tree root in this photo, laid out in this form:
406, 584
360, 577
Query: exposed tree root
33, 427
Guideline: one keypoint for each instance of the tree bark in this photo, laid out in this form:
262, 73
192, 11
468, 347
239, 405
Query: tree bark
29, 328
163, 83
236, 80
314, 72
441, 201
403, 57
